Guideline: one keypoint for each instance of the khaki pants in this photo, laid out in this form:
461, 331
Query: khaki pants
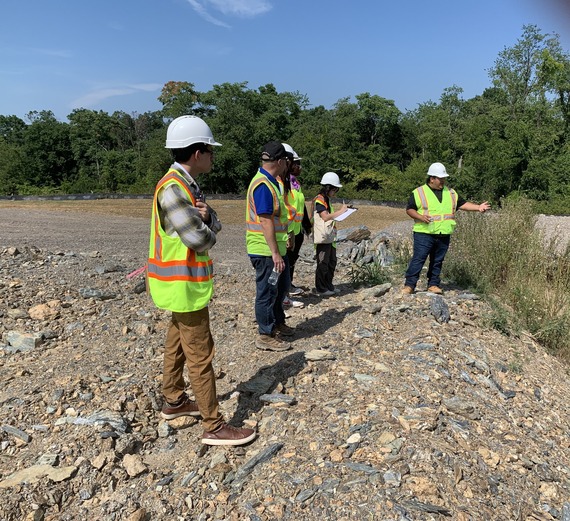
189, 341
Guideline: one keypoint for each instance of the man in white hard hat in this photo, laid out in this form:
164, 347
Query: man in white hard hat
183, 229
267, 220
433, 207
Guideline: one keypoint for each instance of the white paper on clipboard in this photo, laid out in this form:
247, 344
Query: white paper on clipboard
344, 215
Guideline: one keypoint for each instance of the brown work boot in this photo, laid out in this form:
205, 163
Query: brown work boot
271, 343
284, 330
228, 435
407, 290
436, 290
185, 407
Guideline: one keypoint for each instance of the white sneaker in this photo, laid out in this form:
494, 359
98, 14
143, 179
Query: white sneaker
297, 304
287, 302
295, 291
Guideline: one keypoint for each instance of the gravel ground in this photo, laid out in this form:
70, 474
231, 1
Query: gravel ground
392, 411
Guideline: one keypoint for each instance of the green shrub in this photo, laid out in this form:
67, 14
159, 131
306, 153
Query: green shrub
505, 256
368, 275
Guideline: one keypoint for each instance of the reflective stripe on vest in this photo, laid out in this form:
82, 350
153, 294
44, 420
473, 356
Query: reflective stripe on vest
255, 240
298, 201
287, 198
442, 213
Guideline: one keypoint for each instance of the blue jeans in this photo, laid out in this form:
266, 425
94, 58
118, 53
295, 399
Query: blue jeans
427, 245
269, 299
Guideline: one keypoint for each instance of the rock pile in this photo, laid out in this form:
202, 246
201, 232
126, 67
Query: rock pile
388, 407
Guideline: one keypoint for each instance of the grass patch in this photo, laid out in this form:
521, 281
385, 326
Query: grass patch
368, 275
504, 255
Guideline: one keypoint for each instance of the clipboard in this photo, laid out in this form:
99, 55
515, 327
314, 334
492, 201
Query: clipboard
344, 215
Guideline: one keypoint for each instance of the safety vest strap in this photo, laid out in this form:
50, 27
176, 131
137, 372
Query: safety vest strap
252, 223
423, 198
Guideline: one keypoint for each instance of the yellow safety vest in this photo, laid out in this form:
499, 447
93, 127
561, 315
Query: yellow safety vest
297, 200
442, 214
254, 238
179, 278
291, 210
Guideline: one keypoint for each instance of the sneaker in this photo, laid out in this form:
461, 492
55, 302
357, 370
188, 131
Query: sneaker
327, 293
186, 407
435, 289
407, 290
228, 435
271, 343
284, 330
297, 304
294, 290
287, 302
336, 291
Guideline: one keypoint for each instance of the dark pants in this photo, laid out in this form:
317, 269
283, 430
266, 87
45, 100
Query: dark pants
293, 255
326, 264
427, 245
269, 299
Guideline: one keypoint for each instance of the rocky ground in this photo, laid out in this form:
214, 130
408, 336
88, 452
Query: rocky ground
388, 407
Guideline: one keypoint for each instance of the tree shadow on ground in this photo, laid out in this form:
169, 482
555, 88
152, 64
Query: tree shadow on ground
265, 381
318, 325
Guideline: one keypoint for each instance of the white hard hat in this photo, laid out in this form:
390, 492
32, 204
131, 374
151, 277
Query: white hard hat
289, 149
187, 130
330, 178
437, 170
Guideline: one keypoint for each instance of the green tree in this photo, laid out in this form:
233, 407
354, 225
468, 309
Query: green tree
47, 157
178, 98
93, 135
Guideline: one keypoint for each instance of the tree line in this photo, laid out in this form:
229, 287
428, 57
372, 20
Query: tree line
512, 139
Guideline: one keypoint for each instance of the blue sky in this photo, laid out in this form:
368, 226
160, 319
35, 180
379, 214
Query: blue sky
117, 54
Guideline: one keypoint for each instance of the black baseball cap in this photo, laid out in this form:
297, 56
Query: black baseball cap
273, 151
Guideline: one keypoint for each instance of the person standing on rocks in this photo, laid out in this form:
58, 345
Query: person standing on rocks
433, 207
301, 222
324, 234
183, 229
266, 242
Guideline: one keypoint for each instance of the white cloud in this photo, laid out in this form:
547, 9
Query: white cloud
199, 8
235, 8
241, 8
56, 53
97, 96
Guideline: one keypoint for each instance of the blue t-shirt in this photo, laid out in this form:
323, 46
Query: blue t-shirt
262, 195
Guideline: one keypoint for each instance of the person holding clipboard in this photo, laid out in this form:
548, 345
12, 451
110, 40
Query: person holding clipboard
324, 234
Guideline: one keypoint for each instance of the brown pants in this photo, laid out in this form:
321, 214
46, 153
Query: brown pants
190, 341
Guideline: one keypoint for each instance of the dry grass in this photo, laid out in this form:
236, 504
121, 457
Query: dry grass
229, 211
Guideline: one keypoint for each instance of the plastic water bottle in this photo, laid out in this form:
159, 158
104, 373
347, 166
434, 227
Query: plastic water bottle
274, 277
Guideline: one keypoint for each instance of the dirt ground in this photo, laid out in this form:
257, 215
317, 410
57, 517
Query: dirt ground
110, 226
229, 211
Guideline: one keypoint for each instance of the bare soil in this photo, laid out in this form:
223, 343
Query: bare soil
114, 226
